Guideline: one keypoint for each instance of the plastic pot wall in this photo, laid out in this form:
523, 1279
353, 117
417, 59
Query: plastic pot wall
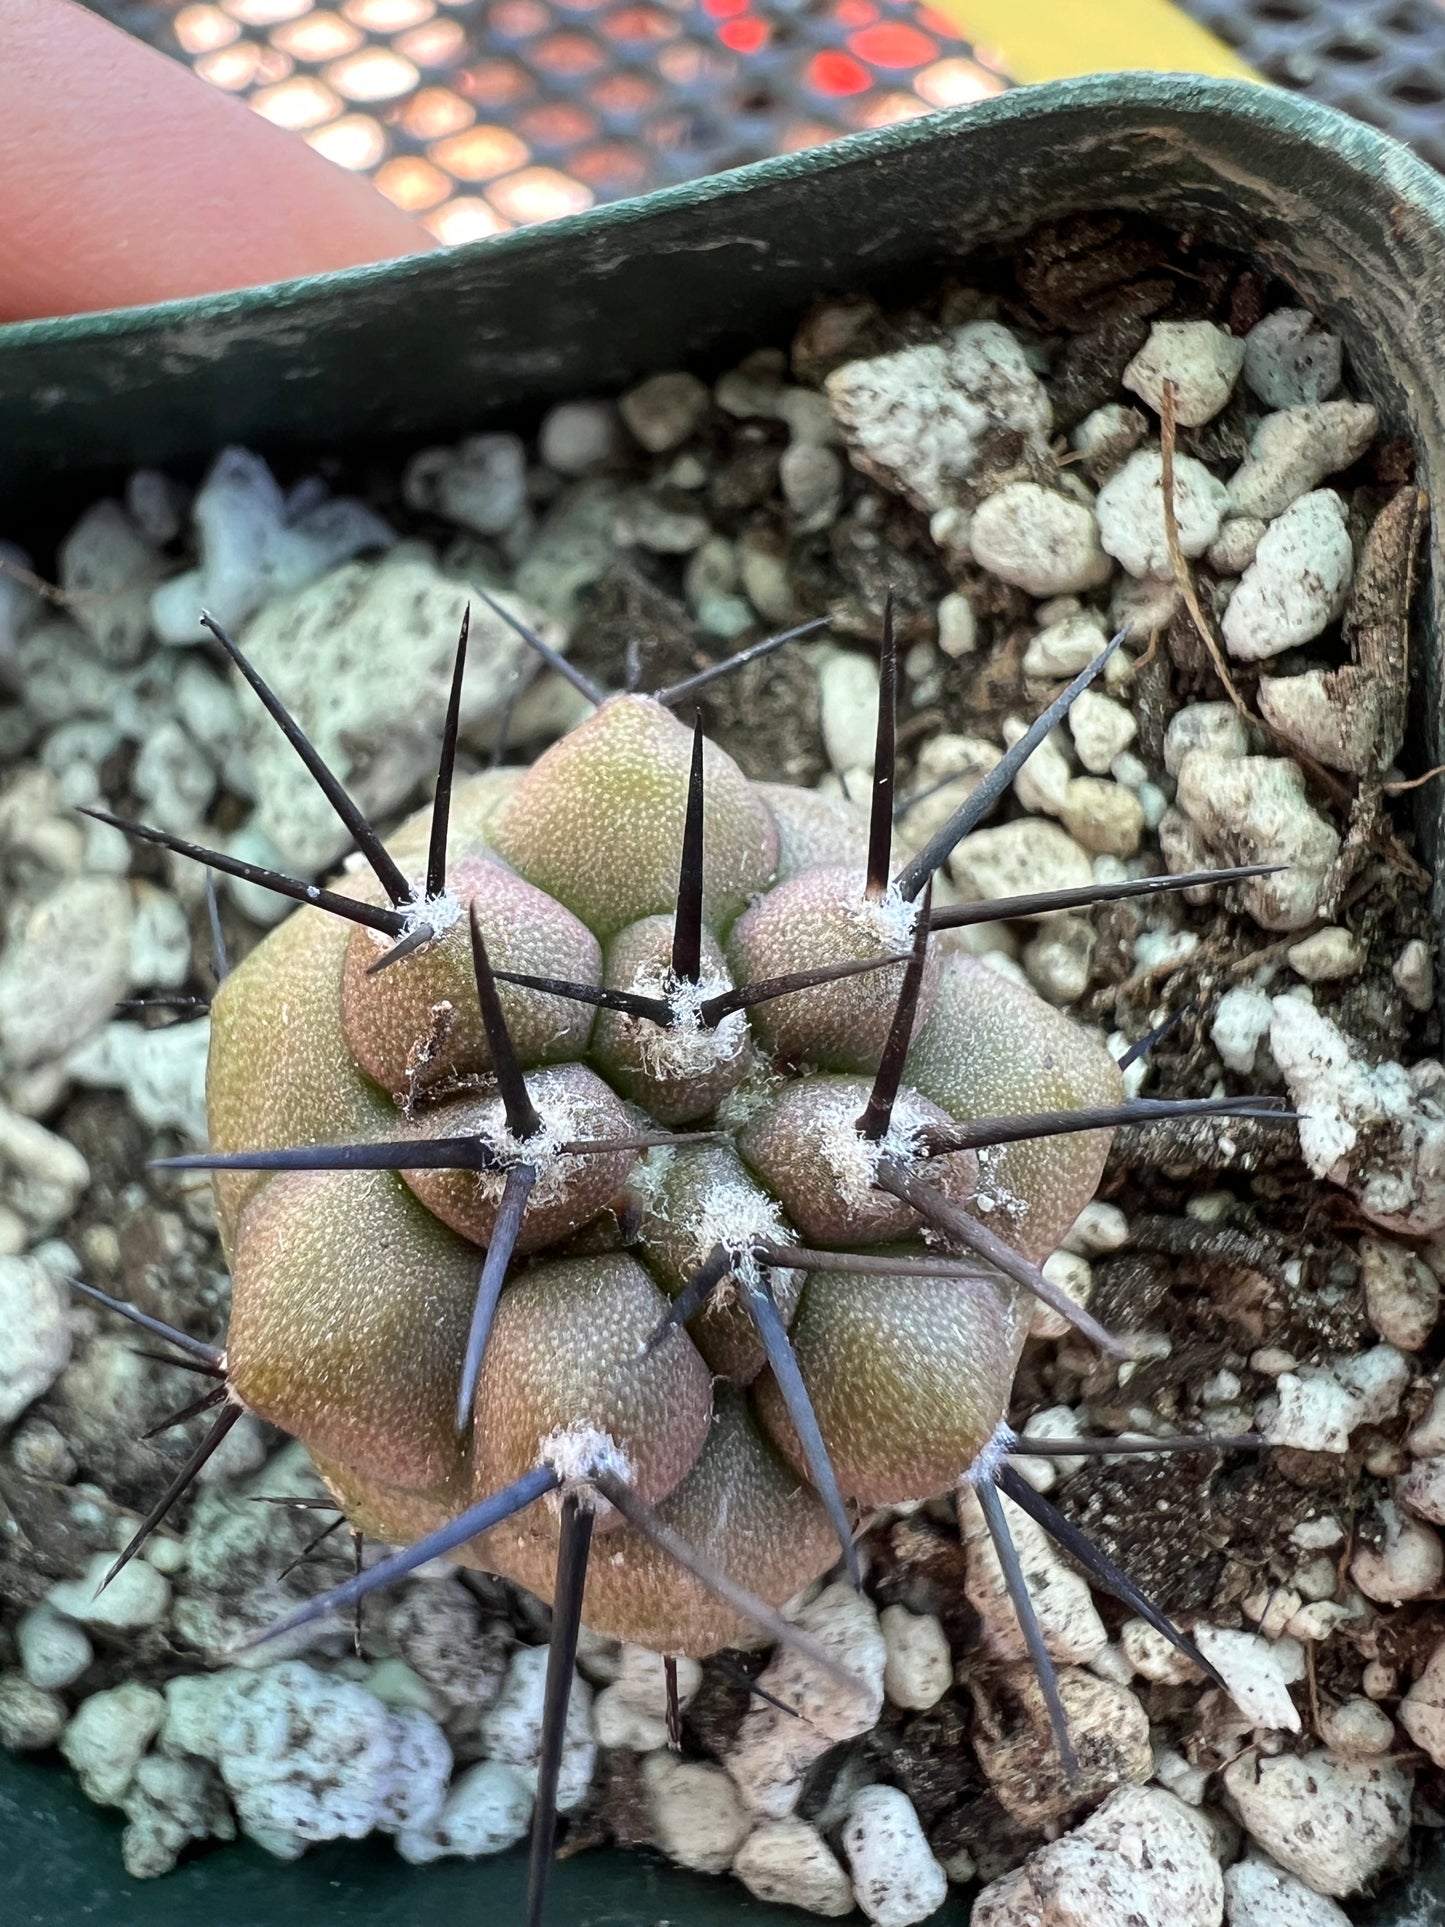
438, 345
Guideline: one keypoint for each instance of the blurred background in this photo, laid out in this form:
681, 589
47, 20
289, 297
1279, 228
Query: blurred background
481, 115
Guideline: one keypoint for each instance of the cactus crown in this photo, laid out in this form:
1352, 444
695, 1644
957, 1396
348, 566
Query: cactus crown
614, 1142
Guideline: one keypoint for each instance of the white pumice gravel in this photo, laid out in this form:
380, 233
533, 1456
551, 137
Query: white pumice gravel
137, 1596
916, 419
1072, 1629
1256, 1673
1297, 583
1408, 1563
1255, 809
695, 1812
1291, 452
109, 1733
1038, 540
1402, 1294
1065, 646
1291, 358
1201, 360
896, 1879
1311, 712
1257, 1894
1142, 1857
1335, 1824
1326, 956
1130, 509
54, 1651
1017, 859
1101, 728
788, 1864
918, 1670
34, 1334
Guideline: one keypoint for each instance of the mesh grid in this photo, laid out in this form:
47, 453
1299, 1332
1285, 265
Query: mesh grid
1381, 60
479, 115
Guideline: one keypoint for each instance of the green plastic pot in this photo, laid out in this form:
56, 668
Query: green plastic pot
440, 344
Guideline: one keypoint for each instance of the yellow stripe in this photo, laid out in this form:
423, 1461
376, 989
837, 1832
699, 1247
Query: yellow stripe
1051, 39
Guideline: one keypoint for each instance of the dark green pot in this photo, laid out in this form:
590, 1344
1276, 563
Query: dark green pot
440, 344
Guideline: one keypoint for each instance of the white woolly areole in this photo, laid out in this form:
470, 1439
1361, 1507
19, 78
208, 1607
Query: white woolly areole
560, 1124
686, 1048
576, 1453
890, 920
853, 1159
436, 914
993, 1194
985, 1467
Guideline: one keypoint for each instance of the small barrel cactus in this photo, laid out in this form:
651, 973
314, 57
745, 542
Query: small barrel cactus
630, 1150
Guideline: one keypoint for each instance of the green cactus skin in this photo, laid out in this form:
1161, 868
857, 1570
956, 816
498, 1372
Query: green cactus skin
354, 1290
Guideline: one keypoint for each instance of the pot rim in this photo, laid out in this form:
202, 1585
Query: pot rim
1359, 146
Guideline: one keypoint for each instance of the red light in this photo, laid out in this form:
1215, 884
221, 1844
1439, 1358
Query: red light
724, 9
745, 36
855, 13
936, 23
892, 44
837, 73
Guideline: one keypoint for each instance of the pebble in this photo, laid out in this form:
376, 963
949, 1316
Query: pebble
1044, 778
309, 1756
1308, 709
1241, 1019
1153, 1656
571, 550
918, 1670
54, 1652
753, 387
1413, 974
896, 1879
1103, 816
32, 1721
1059, 962
256, 543
107, 570
774, 1749
848, 697
808, 416
1402, 1294
1254, 809
957, 627
34, 1334
1297, 582
1203, 362
480, 484
1017, 859
1038, 540
787, 1863
1327, 956
1108, 437
137, 1596
1101, 729
694, 1811
579, 436
1357, 1729
1072, 1629
663, 411
1364, 1127
1333, 1823
1291, 452
400, 617
65, 966
1099, 1228
1236, 545
1144, 1859
1422, 1489
1255, 1672
487, 1809
107, 1736
174, 780
511, 1730
1257, 1894
1320, 1405
1019, 1755
169, 1804
161, 1071
1130, 509
1291, 358
1065, 647
1422, 1710
1408, 1565
43, 1174
811, 478
917, 419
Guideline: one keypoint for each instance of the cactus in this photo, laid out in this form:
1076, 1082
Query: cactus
629, 1153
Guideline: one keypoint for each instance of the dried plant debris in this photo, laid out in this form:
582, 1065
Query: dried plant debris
803, 1048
